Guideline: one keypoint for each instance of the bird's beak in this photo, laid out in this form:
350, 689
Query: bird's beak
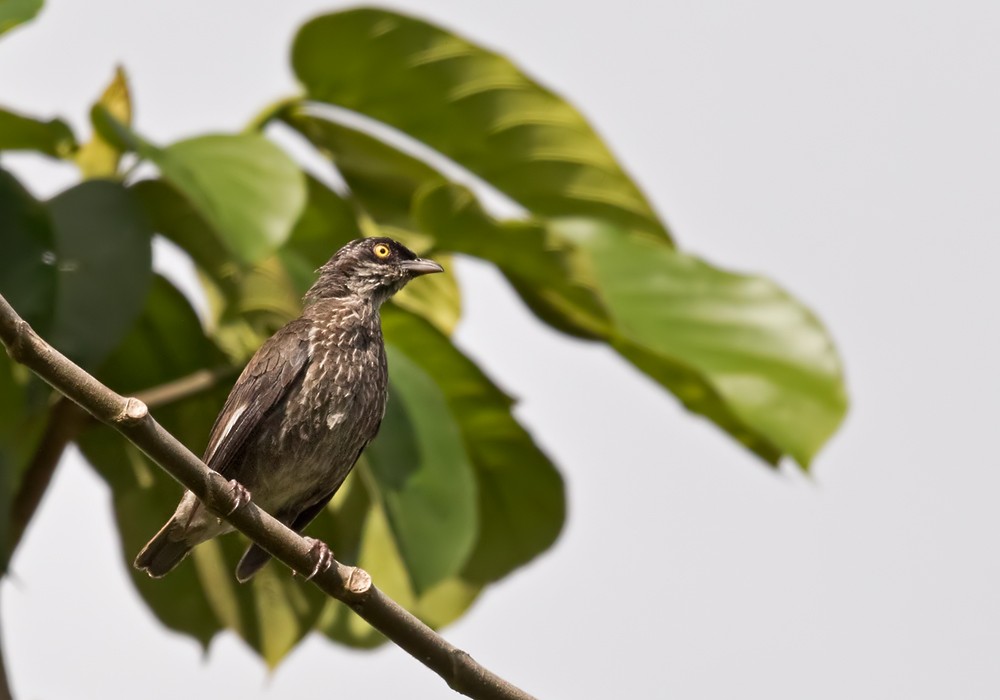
421, 266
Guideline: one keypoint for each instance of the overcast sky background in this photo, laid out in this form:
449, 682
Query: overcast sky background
849, 151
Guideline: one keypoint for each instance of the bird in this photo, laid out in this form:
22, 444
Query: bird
303, 410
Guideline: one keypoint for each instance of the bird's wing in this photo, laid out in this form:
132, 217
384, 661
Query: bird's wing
276, 367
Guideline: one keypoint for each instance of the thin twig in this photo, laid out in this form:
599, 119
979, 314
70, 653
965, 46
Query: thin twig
349, 584
185, 387
65, 422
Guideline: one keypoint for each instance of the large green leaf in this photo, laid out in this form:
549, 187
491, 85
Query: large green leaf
21, 133
202, 596
246, 187
382, 178
761, 352
103, 258
521, 495
423, 478
247, 302
375, 549
572, 285
328, 221
27, 270
472, 105
243, 185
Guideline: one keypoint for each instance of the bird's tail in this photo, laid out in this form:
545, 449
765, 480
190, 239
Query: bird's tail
165, 551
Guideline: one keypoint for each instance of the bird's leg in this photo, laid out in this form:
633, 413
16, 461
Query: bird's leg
320, 555
238, 494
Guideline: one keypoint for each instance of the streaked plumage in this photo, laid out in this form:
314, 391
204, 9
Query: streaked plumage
305, 406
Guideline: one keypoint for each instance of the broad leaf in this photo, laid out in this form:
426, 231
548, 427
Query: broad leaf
103, 258
359, 526
20, 133
98, 157
246, 187
201, 597
422, 477
521, 496
328, 221
753, 346
570, 284
15, 12
473, 106
382, 178
247, 302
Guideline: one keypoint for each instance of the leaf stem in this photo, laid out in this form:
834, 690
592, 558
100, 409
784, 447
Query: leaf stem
271, 112
350, 585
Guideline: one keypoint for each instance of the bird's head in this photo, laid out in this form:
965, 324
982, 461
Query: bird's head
369, 269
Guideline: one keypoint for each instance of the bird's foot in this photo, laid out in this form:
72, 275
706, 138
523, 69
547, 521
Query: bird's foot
320, 556
238, 495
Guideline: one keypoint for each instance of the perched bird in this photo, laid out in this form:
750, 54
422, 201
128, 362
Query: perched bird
303, 409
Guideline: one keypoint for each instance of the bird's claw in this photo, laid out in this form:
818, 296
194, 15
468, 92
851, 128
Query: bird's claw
320, 555
238, 494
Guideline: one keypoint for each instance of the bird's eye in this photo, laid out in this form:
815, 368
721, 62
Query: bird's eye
381, 251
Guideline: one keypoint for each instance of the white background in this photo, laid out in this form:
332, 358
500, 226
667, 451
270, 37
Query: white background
851, 151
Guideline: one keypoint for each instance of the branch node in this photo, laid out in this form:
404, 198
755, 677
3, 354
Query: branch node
460, 662
133, 412
19, 346
359, 581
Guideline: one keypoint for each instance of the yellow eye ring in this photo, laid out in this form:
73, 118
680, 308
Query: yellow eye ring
381, 251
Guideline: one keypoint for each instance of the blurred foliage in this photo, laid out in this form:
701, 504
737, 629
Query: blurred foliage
454, 494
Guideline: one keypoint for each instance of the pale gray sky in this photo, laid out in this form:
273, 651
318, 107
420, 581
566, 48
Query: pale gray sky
850, 151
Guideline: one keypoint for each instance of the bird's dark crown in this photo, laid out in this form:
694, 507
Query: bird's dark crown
368, 269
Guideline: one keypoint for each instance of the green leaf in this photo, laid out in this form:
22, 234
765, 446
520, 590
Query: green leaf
27, 270
103, 257
15, 12
243, 186
201, 597
248, 302
745, 341
422, 477
371, 544
539, 264
99, 157
473, 106
568, 284
328, 221
382, 178
246, 187
436, 298
173, 216
20, 133
522, 503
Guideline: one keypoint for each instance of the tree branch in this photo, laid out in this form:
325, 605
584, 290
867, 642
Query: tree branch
349, 584
65, 422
